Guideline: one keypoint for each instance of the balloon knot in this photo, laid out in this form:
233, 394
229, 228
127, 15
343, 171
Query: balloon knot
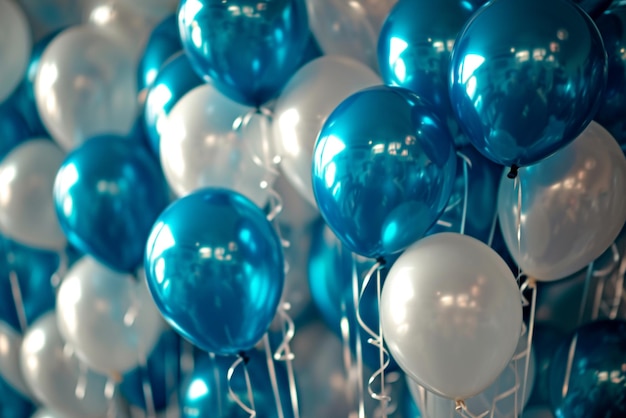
244, 357
513, 172
381, 261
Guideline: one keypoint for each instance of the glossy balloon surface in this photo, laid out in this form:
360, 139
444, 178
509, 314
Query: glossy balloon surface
10, 370
15, 46
383, 170
214, 265
530, 90
13, 128
108, 193
163, 43
594, 8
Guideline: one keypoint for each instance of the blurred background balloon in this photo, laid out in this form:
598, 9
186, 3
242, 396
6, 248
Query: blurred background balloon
163, 43
296, 291
13, 404
538, 412
155, 8
108, 193
27, 212
587, 373
249, 50
124, 328
350, 29
14, 128
546, 339
305, 103
297, 212
594, 7
48, 16
10, 371
383, 170
591, 171
15, 46
86, 86
521, 98
201, 147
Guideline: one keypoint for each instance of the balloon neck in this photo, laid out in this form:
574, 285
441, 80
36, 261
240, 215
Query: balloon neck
244, 357
513, 171
381, 261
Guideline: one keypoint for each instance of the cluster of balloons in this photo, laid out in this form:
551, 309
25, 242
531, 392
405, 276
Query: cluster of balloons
177, 176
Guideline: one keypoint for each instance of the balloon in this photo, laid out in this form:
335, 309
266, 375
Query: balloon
546, 340
125, 325
595, 386
15, 45
297, 212
524, 94
483, 178
594, 7
415, 45
33, 269
14, 129
452, 299
108, 193
46, 413
538, 412
85, 86
53, 375
155, 8
163, 43
48, 16
248, 49
172, 82
199, 147
381, 183
312, 51
349, 29
13, 404
572, 208
163, 371
206, 392
10, 372
308, 99
26, 206
215, 269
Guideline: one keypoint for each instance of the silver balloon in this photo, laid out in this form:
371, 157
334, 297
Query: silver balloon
453, 300
158, 9
10, 346
15, 46
53, 373
200, 147
349, 28
47, 16
86, 86
304, 105
27, 212
297, 211
573, 206
109, 318
296, 291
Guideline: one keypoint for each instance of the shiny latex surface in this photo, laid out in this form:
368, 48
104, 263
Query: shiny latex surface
15, 46
163, 43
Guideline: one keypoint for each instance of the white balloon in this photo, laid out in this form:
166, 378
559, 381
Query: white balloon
15, 46
86, 86
451, 314
47, 16
158, 9
199, 147
307, 100
297, 211
27, 211
109, 318
10, 346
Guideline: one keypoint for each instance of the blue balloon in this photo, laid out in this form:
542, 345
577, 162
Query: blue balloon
410, 407
215, 269
248, 48
34, 269
14, 128
163, 370
594, 8
107, 194
330, 281
383, 170
526, 92
596, 385
546, 340
311, 51
483, 180
13, 404
163, 43
174, 80
206, 392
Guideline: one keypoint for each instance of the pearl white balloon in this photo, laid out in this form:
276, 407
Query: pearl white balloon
27, 212
451, 314
86, 86
199, 147
10, 346
304, 105
15, 46
109, 318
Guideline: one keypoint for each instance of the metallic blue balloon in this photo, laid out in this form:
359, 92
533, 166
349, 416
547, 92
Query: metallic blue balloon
247, 48
383, 170
594, 8
526, 78
107, 194
483, 180
164, 42
206, 392
546, 340
13, 128
215, 269
34, 269
13, 404
174, 80
163, 372
596, 385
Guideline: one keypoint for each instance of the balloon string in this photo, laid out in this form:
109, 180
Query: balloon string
467, 163
583, 302
283, 353
615, 267
241, 361
81, 382
518, 224
531, 284
146, 385
570, 364
272, 371
376, 340
242, 123
357, 339
16, 292
492, 231
462, 410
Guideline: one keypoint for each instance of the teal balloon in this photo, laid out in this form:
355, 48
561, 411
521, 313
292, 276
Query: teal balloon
526, 78
215, 268
248, 48
14, 128
594, 8
596, 385
163, 43
383, 170
107, 194
13, 404
174, 80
